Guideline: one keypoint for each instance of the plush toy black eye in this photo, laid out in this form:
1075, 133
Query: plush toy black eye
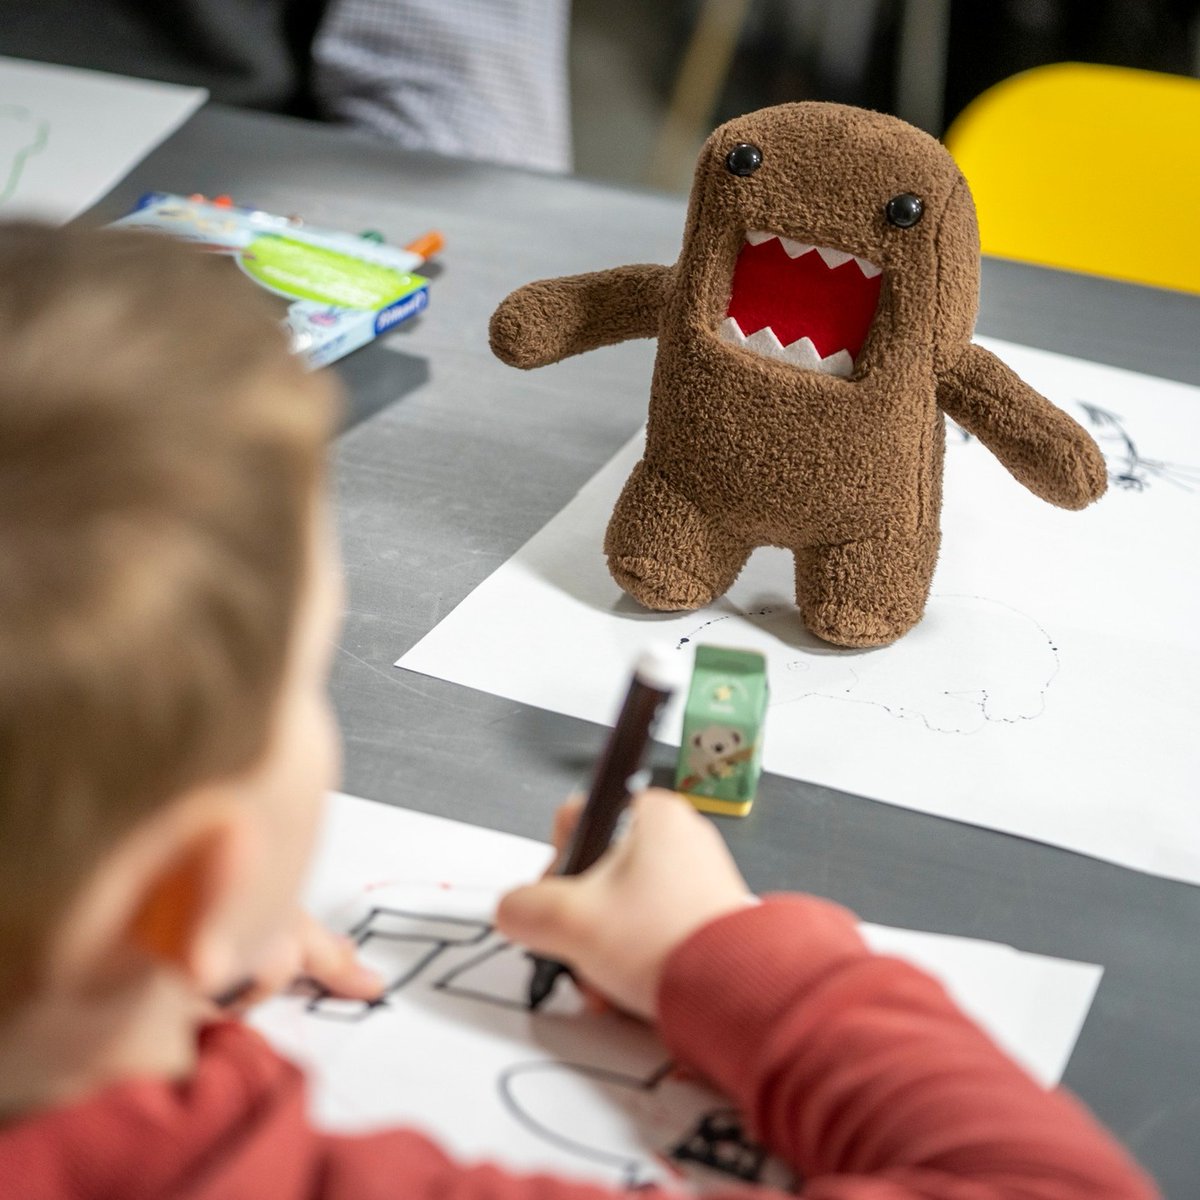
904, 210
744, 159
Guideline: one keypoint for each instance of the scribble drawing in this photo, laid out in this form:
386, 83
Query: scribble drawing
399, 945
651, 1125
1128, 468
971, 663
22, 135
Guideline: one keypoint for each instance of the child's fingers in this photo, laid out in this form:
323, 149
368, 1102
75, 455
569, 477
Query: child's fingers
595, 1002
236, 1000
275, 971
566, 818
332, 961
658, 809
544, 917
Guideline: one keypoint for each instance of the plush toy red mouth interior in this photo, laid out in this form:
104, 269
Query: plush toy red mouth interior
810, 306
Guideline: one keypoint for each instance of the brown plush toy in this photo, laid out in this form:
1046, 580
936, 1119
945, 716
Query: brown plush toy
814, 329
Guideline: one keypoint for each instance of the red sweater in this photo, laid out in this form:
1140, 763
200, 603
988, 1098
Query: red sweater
856, 1069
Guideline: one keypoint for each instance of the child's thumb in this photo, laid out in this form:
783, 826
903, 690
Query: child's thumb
545, 917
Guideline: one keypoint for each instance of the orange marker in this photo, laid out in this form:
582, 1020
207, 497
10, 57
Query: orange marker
427, 245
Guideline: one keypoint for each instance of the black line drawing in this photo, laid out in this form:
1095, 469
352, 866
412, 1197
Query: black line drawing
499, 975
447, 983
960, 710
657, 1123
683, 1131
29, 134
631, 1168
400, 945
973, 662
754, 612
720, 1142
1127, 468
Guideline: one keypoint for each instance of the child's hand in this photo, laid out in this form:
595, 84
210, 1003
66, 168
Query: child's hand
331, 960
617, 923
310, 951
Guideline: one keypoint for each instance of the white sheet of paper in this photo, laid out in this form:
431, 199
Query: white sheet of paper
67, 136
1050, 690
455, 1053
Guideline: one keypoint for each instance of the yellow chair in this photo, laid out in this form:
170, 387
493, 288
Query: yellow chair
1094, 169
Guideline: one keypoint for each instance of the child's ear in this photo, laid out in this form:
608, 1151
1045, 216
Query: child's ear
167, 896
182, 915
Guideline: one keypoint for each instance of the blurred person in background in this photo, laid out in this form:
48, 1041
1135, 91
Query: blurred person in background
484, 79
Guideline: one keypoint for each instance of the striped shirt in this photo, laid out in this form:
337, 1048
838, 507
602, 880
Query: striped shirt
484, 79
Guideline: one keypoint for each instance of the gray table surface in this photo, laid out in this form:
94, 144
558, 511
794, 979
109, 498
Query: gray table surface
437, 489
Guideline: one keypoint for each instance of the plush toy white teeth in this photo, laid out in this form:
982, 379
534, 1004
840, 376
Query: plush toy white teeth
832, 258
800, 353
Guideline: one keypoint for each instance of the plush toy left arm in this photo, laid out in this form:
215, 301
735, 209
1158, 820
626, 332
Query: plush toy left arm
1039, 445
552, 319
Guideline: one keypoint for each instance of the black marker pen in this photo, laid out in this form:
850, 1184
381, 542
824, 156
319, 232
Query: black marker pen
655, 676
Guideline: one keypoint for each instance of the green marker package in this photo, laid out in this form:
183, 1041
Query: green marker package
337, 291
720, 756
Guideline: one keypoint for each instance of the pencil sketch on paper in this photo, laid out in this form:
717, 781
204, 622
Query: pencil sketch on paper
22, 135
971, 663
1128, 468
643, 1126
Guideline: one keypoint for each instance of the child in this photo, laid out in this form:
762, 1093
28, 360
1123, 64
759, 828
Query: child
168, 598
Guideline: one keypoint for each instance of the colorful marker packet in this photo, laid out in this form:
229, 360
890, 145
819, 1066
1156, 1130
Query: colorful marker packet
339, 291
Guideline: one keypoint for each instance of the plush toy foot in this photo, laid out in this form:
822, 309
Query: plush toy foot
665, 552
659, 585
867, 593
848, 625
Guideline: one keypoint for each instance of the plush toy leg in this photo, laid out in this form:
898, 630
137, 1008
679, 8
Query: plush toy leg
664, 551
865, 593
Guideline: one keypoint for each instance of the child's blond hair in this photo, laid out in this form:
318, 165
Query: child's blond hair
160, 451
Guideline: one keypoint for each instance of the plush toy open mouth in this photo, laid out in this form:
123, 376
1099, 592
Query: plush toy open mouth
806, 305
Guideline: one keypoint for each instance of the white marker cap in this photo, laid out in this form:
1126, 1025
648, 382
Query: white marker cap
662, 668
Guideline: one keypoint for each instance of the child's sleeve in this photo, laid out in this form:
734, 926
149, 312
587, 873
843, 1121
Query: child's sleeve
862, 1073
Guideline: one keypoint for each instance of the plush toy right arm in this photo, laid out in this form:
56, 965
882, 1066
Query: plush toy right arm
552, 319
1041, 447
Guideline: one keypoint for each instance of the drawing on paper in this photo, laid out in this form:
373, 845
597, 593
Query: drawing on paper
972, 662
720, 1142
753, 612
647, 1125
1128, 469
22, 135
399, 945
674, 1121
484, 977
